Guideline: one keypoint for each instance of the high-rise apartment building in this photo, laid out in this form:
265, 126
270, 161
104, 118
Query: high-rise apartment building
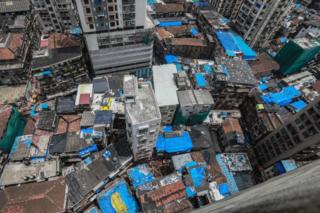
297, 138
118, 35
259, 20
55, 15
228, 8
143, 116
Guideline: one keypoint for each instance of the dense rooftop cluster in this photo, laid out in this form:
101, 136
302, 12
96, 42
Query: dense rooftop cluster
153, 106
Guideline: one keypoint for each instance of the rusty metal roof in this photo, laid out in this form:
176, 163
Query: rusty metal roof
46, 197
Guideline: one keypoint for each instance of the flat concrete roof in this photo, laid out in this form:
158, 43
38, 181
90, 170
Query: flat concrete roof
14, 173
164, 85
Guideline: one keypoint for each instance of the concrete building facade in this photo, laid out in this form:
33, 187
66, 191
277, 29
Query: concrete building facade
118, 35
298, 138
165, 91
143, 117
228, 8
259, 20
55, 15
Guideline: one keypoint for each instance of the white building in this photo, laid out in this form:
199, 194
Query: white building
55, 15
142, 117
193, 102
165, 91
118, 35
259, 20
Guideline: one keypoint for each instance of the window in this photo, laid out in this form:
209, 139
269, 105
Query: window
88, 10
110, 8
91, 26
86, 1
90, 19
143, 131
112, 24
112, 17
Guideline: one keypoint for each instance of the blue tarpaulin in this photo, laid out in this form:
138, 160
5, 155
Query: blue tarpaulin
89, 149
232, 185
298, 105
200, 80
198, 175
190, 164
208, 68
171, 59
233, 44
140, 175
118, 199
283, 40
170, 23
194, 31
265, 79
201, 4
289, 165
25, 140
47, 72
284, 166
225, 69
93, 210
151, 2
87, 161
191, 192
263, 87
224, 20
76, 31
179, 67
181, 143
224, 189
282, 98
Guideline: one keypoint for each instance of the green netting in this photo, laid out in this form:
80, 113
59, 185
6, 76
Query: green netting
179, 118
15, 128
198, 118
192, 120
292, 57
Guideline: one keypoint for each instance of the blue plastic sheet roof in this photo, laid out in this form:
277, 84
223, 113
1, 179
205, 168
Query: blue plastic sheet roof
89, 149
170, 23
175, 144
191, 192
289, 165
179, 67
224, 189
121, 189
198, 175
194, 31
150, 2
233, 44
263, 87
282, 98
140, 175
76, 31
171, 59
283, 40
224, 20
201, 4
232, 185
25, 140
298, 105
200, 80
207, 68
